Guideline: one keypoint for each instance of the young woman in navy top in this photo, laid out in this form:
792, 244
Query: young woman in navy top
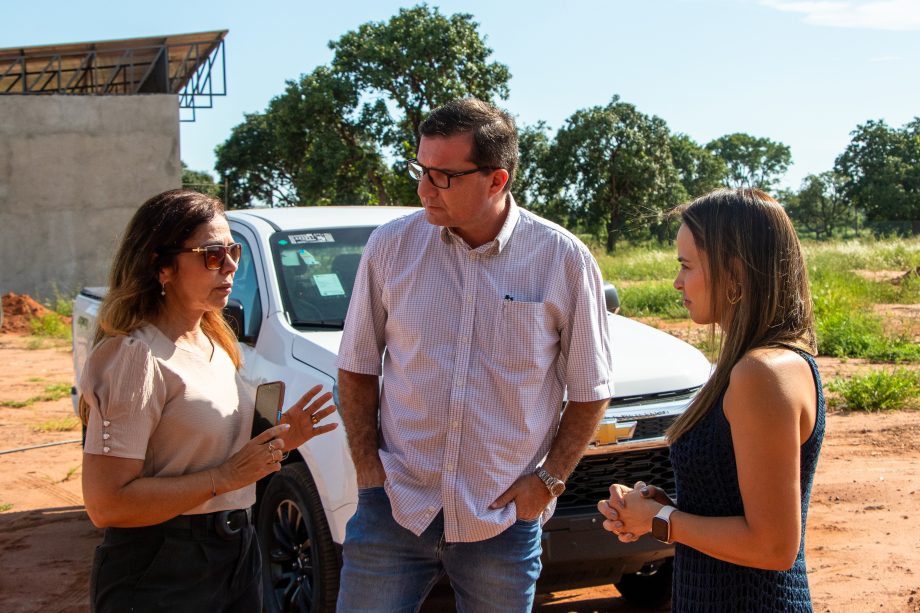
745, 451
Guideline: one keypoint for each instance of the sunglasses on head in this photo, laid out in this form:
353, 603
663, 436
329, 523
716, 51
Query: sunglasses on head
214, 255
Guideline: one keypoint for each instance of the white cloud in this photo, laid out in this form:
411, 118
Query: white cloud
901, 15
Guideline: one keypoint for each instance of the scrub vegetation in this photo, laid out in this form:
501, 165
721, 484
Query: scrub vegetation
878, 391
51, 393
65, 424
50, 325
845, 301
866, 295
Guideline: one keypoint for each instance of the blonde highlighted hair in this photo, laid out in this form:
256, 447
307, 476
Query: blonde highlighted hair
134, 296
758, 283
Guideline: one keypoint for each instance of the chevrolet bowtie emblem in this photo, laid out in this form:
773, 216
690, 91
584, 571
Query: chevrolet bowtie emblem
610, 432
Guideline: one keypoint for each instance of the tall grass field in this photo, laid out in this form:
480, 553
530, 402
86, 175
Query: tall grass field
851, 281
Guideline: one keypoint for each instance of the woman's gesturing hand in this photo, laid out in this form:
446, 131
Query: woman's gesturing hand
304, 417
257, 458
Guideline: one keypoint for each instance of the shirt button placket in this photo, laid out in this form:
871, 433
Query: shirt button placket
455, 411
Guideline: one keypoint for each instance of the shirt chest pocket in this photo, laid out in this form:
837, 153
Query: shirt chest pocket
525, 341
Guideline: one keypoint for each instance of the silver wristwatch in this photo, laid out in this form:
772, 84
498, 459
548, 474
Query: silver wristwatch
554, 485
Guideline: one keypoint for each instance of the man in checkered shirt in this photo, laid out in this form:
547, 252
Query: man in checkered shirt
486, 316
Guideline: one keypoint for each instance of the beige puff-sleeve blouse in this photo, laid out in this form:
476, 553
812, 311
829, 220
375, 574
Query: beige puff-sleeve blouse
171, 407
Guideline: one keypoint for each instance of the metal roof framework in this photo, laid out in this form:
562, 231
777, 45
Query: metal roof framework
193, 66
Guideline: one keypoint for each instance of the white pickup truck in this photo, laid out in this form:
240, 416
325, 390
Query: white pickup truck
289, 301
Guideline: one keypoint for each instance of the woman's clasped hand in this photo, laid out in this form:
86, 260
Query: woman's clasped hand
628, 512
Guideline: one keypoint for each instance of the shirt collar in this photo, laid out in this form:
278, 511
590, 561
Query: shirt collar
496, 245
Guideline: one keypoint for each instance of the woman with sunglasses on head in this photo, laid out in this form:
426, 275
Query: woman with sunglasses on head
745, 451
168, 467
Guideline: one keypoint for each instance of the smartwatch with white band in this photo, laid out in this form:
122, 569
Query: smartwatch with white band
661, 524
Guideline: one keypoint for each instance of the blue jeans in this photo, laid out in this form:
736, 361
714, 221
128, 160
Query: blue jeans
389, 569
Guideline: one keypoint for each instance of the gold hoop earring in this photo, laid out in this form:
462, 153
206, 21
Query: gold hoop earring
735, 299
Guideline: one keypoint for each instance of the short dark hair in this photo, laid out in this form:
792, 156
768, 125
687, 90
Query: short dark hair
495, 141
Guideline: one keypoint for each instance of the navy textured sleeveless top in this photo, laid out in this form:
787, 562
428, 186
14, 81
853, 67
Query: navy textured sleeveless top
707, 484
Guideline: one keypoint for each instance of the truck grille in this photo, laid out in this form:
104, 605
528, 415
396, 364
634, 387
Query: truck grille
652, 427
592, 477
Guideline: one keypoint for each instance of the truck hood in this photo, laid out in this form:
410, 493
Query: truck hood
649, 361
645, 360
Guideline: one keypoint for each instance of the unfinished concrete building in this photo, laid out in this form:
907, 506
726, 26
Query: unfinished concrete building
88, 132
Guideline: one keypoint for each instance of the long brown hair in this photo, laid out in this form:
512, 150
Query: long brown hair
162, 223
758, 283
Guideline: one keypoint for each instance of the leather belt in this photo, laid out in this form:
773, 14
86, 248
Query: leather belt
226, 524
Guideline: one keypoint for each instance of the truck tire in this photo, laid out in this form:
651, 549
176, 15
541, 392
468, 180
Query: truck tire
650, 590
300, 565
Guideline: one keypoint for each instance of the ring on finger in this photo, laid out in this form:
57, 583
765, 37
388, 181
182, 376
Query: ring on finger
271, 448
314, 419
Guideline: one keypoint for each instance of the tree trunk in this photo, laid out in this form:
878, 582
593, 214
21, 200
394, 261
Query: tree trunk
377, 182
613, 230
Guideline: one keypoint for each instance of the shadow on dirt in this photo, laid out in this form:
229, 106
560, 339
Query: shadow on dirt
46, 556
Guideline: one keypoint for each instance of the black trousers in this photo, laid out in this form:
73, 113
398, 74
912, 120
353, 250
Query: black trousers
177, 566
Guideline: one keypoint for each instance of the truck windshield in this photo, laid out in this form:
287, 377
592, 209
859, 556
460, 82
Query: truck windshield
316, 271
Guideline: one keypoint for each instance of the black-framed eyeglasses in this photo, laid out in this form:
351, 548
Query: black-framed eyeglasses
439, 178
214, 255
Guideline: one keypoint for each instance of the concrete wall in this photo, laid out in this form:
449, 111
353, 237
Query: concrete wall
73, 169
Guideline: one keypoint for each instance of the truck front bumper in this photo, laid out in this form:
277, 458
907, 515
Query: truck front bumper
578, 552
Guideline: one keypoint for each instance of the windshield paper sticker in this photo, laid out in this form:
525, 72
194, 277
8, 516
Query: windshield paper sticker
329, 285
313, 237
289, 258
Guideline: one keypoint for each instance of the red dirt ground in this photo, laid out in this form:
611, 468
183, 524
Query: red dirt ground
863, 547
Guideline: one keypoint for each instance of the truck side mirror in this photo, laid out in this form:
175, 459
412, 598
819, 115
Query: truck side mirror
611, 298
233, 313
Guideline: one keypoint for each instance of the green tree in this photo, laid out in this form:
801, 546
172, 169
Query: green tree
699, 170
752, 161
821, 205
249, 163
416, 61
314, 144
610, 168
530, 179
199, 180
323, 140
195, 177
882, 169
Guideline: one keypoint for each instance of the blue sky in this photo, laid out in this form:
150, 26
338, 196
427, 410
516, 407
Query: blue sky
805, 73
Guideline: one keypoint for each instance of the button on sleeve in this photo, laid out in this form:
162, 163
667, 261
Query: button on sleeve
122, 384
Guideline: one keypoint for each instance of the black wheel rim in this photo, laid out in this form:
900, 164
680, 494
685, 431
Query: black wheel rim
291, 560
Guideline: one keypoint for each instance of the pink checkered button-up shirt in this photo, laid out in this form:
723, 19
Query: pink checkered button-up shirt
481, 345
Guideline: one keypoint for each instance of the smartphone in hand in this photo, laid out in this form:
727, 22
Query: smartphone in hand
269, 401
